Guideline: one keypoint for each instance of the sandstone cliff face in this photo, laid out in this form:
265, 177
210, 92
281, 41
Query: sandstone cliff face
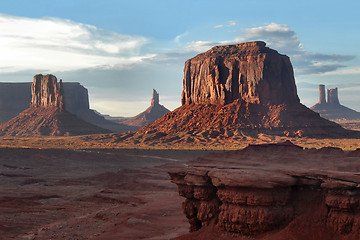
250, 71
46, 92
76, 97
268, 191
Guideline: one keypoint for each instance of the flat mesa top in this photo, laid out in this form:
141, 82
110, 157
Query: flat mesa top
280, 165
247, 48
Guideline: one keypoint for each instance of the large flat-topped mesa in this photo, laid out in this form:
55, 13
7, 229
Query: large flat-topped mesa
248, 71
242, 88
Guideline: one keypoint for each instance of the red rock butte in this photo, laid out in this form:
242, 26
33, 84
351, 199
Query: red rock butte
46, 115
249, 71
244, 87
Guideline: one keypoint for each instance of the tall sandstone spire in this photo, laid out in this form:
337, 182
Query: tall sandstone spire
333, 97
332, 109
155, 98
322, 99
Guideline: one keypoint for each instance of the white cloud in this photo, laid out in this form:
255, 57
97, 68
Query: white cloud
286, 41
230, 23
199, 46
219, 26
54, 44
281, 38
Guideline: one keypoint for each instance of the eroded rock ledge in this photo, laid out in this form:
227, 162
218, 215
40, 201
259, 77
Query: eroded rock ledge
267, 189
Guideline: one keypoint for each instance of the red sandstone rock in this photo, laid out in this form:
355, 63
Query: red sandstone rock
242, 88
46, 92
47, 115
268, 191
248, 71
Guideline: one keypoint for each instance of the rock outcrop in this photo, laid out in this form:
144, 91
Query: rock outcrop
333, 97
16, 97
47, 92
322, 99
152, 113
249, 71
46, 115
273, 192
246, 88
332, 109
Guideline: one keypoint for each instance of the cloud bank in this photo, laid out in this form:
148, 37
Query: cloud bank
286, 41
53, 44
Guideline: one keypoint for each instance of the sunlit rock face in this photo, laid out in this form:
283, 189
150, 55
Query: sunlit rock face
248, 71
47, 92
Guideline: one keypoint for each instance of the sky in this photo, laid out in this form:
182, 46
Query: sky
120, 50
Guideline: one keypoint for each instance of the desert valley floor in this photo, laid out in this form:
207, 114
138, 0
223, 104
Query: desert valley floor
68, 194
81, 188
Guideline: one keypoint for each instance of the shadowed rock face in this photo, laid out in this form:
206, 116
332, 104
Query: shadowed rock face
333, 97
274, 190
322, 99
250, 71
332, 109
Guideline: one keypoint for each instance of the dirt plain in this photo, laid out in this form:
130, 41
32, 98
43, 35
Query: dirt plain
106, 194
102, 187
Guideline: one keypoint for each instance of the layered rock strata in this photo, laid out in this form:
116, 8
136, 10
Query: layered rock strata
332, 109
247, 88
266, 191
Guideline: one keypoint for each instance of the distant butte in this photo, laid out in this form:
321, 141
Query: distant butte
46, 115
332, 109
242, 88
152, 113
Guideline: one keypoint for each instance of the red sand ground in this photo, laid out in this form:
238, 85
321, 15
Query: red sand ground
61, 194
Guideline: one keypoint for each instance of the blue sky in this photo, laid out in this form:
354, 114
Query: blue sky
121, 50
